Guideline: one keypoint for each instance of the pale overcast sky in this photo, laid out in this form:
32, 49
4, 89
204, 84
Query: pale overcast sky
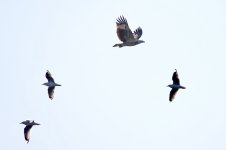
111, 98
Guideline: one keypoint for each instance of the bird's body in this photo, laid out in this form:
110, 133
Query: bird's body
132, 43
175, 86
125, 35
51, 84
27, 130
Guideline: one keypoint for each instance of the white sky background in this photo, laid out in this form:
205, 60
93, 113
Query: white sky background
111, 98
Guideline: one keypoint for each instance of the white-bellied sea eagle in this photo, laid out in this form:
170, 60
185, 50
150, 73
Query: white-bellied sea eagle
125, 35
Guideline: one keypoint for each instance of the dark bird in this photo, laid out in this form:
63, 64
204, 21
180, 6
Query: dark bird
175, 86
51, 84
125, 34
27, 130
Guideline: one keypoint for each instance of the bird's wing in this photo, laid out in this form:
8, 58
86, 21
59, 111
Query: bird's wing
137, 33
27, 132
51, 92
123, 31
175, 78
172, 94
49, 76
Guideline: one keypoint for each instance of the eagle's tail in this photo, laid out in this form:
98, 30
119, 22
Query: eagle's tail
118, 45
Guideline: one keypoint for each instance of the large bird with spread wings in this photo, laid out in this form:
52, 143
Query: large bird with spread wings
27, 130
125, 35
175, 86
51, 84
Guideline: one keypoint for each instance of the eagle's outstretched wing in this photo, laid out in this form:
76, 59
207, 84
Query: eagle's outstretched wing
172, 94
123, 31
137, 33
51, 92
175, 78
49, 76
27, 132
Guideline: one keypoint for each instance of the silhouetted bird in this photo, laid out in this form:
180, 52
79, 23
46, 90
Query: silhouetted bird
51, 84
175, 86
27, 130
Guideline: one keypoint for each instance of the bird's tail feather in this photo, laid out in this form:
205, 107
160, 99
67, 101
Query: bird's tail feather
118, 45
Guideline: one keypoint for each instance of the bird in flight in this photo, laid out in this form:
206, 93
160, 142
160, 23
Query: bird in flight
125, 35
51, 84
27, 130
175, 86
